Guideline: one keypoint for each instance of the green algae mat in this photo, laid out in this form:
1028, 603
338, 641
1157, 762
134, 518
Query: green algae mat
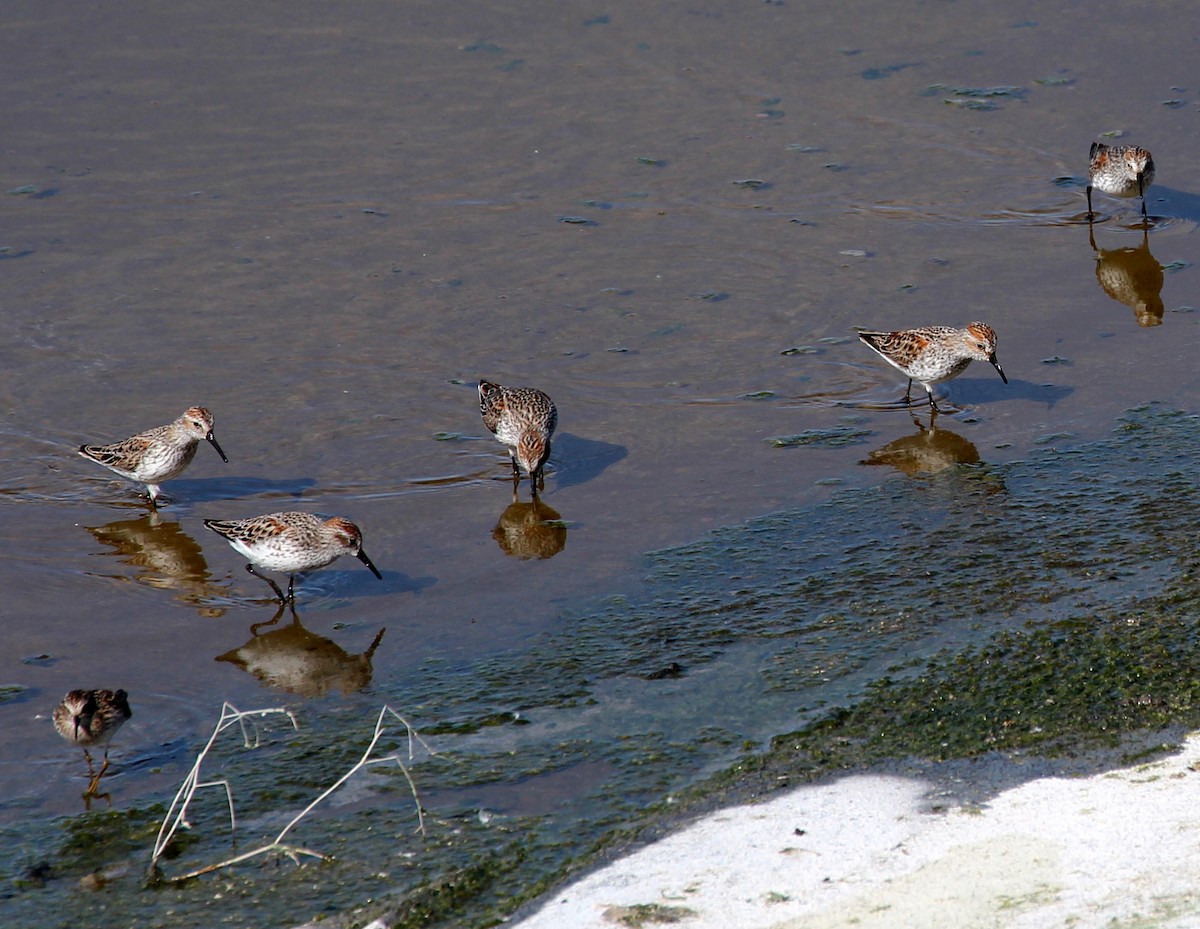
1046, 607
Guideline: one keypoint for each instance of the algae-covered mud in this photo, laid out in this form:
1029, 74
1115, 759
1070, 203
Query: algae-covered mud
1044, 606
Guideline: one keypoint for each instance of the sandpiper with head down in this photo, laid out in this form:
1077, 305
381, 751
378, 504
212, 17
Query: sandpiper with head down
523, 419
1120, 170
932, 354
291, 543
90, 718
158, 454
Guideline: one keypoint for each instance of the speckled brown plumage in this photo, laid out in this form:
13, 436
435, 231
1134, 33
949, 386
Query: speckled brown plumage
524, 420
157, 454
1121, 171
90, 718
932, 354
291, 542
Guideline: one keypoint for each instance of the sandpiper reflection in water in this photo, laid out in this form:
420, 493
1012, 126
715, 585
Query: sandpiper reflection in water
530, 530
1132, 276
294, 659
929, 451
164, 556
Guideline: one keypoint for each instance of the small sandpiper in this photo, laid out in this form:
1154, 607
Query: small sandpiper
932, 354
1120, 170
90, 718
158, 454
524, 420
291, 543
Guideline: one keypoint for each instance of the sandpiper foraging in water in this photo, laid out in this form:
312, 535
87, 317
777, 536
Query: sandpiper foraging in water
291, 543
524, 420
158, 454
932, 354
91, 718
1120, 170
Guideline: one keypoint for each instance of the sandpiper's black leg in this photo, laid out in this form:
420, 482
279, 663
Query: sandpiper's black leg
908, 393
1089, 199
274, 586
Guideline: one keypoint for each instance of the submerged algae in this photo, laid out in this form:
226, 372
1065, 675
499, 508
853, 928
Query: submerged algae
1036, 607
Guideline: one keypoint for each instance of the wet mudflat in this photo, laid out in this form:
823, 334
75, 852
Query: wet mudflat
326, 225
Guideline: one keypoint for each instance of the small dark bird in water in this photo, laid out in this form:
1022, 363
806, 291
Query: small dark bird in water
90, 718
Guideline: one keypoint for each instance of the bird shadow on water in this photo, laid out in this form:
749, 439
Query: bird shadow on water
579, 460
967, 395
188, 491
1168, 203
976, 391
1166, 206
324, 584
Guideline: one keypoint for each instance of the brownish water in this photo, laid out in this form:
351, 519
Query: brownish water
325, 224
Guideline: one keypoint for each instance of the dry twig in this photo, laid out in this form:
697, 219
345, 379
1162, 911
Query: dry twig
176, 817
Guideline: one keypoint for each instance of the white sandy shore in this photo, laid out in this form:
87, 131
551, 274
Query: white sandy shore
1120, 849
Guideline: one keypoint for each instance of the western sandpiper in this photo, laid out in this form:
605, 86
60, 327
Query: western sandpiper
91, 718
158, 454
291, 543
524, 419
932, 354
1120, 170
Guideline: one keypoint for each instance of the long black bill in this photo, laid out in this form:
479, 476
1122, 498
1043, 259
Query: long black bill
362, 556
213, 442
999, 370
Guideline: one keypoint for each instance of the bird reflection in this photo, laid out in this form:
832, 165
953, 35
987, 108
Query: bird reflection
294, 659
530, 530
168, 558
1131, 276
929, 451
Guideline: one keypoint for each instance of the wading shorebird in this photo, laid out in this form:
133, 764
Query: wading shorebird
932, 354
291, 543
1121, 170
158, 454
524, 420
90, 718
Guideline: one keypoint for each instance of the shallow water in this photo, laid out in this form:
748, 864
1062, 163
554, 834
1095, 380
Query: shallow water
327, 225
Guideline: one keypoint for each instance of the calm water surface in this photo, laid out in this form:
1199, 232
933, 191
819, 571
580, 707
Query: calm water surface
326, 224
